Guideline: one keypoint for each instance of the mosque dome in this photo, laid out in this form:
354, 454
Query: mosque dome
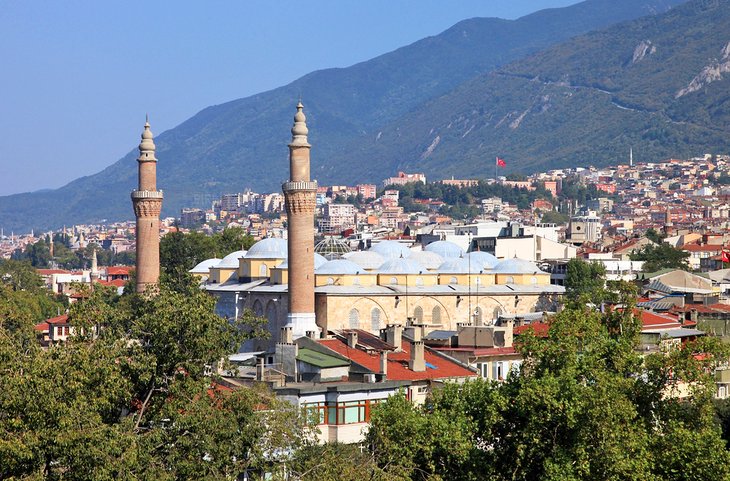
204, 267
318, 261
429, 260
391, 249
339, 267
401, 266
459, 265
483, 259
366, 259
445, 249
332, 247
269, 248
231, 260
517, 266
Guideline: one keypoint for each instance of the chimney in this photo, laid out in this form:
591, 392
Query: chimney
417, 362
384, 364
393, 334
260, 369
415, 331
311, 334
286, 335
352, 339
509, 332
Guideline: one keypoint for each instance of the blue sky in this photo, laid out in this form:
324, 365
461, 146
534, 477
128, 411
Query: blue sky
78, 77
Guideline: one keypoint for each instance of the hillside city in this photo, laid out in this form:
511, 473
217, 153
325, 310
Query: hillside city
569, 323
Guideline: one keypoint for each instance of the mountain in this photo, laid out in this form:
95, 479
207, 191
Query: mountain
239, 144
658, 84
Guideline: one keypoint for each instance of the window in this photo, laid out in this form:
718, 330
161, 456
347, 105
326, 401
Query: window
350, 412
59, 331
316, 412
533, 280
498, 371
375, 320
354, 319
262, 270
453, 280
330, 281
419, 281
418, 314
258, 309
436, 315
393, 281
510, 280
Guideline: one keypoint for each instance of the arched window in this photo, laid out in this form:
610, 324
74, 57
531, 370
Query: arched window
453, 280
258, 309
262, 270
330, 281
533, 280
436, 315
354, 319
375, 320
478, 280
418, 314
393, 281
356, 281
510, 280
419, 281
271, 312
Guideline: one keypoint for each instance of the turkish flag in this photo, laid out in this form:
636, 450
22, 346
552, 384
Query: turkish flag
501, 163
725, 256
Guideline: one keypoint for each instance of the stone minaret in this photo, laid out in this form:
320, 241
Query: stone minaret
300, 193
147, 202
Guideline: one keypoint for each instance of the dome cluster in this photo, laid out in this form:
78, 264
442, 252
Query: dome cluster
386, 257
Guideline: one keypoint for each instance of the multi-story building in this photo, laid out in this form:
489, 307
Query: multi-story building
404, 178
336, 218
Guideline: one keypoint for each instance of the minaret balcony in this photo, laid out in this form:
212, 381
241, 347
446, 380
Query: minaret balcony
299, 185
146, 194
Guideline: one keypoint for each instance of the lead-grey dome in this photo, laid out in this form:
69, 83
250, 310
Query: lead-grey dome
429, 260
401, 266
483, 259
370, 260
517, 266
459, 265
204, 267
231, 260
445, 249
318, 261
339, 267
391, 249
269, 248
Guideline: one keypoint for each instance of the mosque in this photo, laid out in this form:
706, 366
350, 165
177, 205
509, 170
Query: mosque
312, 290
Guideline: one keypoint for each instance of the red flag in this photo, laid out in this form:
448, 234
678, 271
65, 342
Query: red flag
725, 256
501, 163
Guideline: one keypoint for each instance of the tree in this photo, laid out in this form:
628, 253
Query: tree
585, 281
136, 400
585, 406
661, 256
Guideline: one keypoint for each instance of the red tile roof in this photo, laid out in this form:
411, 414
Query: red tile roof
539, 328
62, 319
653, 320
437, 367
48, 272
42, 327
118, 271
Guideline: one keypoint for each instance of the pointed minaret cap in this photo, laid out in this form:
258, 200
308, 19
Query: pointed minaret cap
147, 146
299, 131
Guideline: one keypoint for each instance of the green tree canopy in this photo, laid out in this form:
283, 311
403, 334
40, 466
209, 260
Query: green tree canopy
585, 406
661, 256
131, 396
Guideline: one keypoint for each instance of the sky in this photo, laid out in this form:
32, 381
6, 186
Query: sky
78, 77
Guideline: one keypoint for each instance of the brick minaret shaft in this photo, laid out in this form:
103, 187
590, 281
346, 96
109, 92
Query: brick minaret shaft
300, 193
147, 202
